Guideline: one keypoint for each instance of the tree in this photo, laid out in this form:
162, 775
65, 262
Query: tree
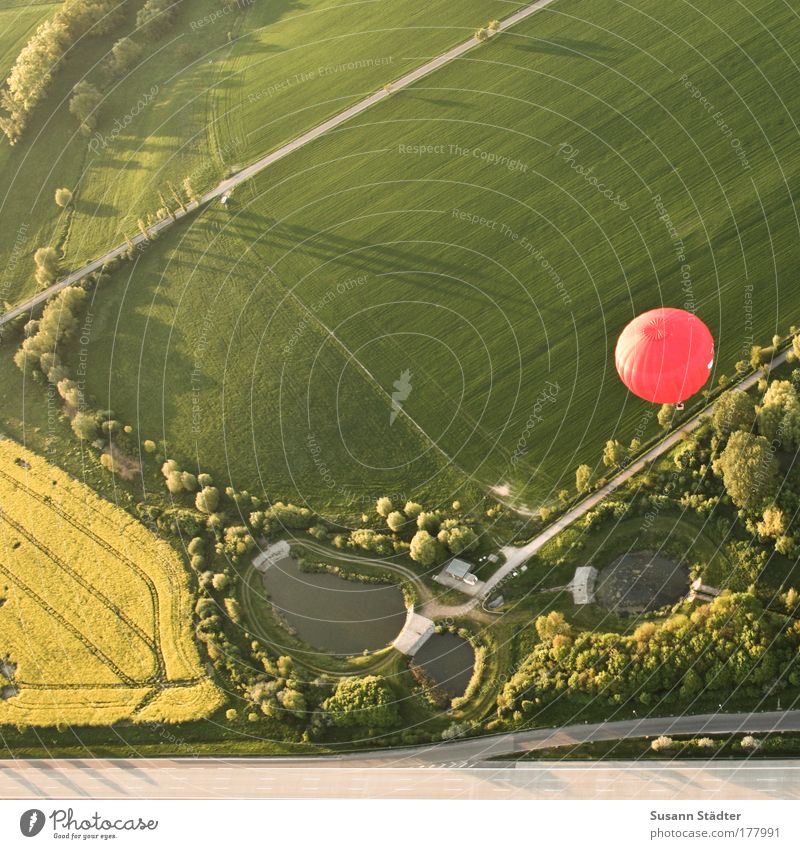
292, 701
384, 506
665, 415
189, 481
149, 446
779, 414
207, 499
63, 197
428, 521
155, 16
426, 549
220, 581
412, 509
84, 425
756, 356
773, 523
458, 539
748, 469
734, 410
47, 262
583, 476
364, 702
124, 53
613, 453
84, 105
396, 521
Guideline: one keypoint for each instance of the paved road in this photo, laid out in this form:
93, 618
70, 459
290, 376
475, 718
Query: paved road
516, 556
258, 166
252, 779
449, 770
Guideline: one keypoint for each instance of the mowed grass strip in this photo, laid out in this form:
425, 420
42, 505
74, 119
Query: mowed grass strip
489, 264
217, 91
82, 614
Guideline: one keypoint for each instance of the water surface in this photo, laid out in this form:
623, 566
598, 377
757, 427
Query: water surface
333, 614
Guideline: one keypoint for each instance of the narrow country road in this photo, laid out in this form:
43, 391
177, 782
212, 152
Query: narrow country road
265, 161
516, 556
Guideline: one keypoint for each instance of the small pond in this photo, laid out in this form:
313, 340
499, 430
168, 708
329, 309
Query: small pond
449, 660
333, 614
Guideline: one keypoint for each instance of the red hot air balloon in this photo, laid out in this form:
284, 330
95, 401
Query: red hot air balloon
665, 355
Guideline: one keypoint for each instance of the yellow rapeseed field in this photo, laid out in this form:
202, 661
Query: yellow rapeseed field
95, 609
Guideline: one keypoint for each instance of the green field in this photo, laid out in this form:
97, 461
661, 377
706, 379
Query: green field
292, 383
213, 93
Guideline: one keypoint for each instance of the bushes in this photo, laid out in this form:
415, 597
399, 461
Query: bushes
732, 643
364, 702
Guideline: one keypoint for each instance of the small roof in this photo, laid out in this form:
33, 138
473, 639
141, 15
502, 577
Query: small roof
457, 568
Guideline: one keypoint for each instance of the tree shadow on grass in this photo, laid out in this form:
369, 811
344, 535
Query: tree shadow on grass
95, 209
577, 48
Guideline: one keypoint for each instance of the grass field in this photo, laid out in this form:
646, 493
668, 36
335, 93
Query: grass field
96, 613
264, 342
17, 23
213, 93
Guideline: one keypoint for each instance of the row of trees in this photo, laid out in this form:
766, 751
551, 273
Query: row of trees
37, 62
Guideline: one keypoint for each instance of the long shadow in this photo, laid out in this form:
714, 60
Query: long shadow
95, 209
359, 256
566, 47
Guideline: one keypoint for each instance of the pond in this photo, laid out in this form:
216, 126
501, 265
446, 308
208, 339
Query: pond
333, 614
449, 660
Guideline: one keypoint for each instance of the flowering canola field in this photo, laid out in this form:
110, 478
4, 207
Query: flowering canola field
95, 610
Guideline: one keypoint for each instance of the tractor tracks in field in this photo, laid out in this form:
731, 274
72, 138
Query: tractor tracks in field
47, 502
91, 647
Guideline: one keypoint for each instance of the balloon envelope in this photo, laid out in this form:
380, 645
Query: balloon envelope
665, 355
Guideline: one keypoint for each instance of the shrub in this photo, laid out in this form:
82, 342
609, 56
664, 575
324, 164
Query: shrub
207, 499
367, 702
47, 262
84, 105
63, 197
84, 425
662, 744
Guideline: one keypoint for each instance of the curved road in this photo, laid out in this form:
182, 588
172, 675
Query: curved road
265, 161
